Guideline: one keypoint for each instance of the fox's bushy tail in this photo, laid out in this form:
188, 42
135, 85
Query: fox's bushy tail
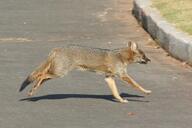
25, 83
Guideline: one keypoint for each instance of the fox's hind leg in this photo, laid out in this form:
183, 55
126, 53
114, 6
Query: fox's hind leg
46, 76
39, 82
35, 86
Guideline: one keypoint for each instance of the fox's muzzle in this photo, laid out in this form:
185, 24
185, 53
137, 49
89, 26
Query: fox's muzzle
145, 60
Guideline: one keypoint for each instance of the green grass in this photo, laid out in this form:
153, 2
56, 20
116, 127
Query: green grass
178, 12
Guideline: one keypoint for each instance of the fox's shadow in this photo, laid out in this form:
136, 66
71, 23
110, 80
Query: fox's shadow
84, 96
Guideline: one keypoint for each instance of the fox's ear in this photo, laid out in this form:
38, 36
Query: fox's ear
129, 44
133, 46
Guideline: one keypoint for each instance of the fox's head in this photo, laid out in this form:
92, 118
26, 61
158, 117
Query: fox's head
133, 54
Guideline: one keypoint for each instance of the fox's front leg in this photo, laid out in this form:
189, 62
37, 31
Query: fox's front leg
111, 83
129, 80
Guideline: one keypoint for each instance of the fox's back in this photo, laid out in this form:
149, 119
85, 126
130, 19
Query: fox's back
80, 55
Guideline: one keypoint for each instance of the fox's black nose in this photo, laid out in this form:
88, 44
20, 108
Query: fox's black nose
147, 59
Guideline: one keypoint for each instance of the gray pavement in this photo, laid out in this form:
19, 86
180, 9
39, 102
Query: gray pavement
30, 29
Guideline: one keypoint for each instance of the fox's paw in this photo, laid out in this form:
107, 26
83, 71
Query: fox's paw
30, 93
147, 92
123, 101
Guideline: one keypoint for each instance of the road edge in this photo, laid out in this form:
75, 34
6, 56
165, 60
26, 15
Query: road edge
175, 42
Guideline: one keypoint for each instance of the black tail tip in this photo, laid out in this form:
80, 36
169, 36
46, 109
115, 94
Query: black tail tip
24, 84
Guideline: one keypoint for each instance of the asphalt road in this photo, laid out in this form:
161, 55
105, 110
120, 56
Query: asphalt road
30, 29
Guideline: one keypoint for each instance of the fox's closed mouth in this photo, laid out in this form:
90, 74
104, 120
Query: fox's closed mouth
143, 62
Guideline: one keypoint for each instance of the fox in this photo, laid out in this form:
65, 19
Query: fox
110, 63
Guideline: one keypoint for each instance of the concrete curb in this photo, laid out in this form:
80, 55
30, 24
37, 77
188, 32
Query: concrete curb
177, 43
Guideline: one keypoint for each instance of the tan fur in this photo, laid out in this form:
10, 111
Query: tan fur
111, 63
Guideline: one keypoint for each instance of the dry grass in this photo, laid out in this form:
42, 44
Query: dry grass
178, 12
